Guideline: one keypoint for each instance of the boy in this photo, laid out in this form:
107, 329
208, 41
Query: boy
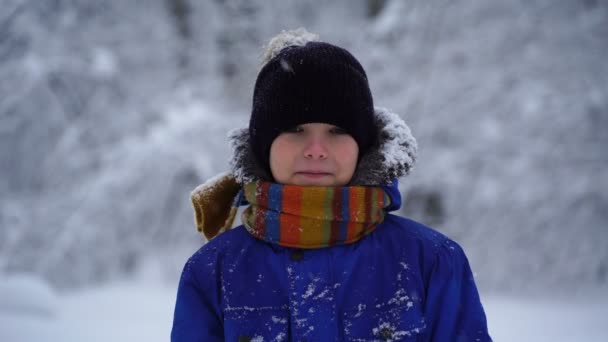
319, 257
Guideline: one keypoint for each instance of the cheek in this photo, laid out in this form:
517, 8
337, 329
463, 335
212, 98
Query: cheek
347, 155
281, 158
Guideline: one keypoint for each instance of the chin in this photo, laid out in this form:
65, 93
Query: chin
326, 181
314, 183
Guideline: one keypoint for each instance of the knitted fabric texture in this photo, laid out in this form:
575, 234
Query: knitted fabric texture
312, 217
314, 83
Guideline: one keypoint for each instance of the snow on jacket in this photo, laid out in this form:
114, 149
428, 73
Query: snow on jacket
402, 282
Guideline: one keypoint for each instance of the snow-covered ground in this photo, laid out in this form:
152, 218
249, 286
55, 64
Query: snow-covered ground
544, 319
142, 311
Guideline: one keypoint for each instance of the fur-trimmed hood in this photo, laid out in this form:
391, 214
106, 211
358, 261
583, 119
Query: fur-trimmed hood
392, 157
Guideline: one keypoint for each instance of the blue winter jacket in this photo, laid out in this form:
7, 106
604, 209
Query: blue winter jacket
402, 282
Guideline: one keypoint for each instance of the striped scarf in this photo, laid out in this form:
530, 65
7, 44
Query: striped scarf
312, 217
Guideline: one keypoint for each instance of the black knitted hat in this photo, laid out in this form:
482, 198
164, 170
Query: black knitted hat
314, 82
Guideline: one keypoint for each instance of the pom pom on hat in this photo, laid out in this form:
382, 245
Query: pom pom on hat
297, 37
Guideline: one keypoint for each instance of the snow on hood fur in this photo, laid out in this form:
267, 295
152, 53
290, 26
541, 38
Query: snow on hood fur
392, 157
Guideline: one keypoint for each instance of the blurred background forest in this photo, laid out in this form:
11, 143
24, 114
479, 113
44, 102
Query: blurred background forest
112, 111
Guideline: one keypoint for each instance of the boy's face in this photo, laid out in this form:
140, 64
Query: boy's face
314, 154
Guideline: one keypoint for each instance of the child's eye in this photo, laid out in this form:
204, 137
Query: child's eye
295, 129
337, 130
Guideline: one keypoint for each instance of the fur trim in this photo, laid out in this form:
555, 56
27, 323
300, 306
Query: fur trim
393, 156
297, 37
243, 164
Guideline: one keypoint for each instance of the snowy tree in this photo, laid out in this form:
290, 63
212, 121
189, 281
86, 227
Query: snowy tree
112, 111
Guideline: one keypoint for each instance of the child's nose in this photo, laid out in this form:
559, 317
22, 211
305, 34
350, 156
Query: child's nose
315, 148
